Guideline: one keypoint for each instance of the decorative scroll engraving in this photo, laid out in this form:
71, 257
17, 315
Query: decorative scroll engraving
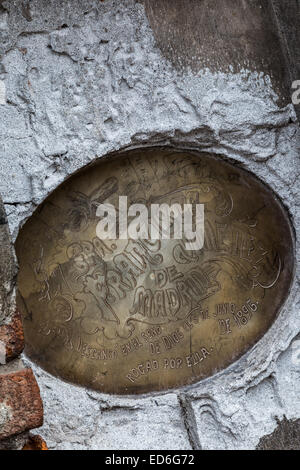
134, 316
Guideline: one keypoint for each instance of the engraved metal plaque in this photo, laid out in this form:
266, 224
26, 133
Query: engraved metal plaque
135, 316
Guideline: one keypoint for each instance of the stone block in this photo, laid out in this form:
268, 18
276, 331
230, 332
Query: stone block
21, 406
8, 272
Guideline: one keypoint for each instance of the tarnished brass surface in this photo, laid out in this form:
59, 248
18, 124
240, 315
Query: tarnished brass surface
139, 316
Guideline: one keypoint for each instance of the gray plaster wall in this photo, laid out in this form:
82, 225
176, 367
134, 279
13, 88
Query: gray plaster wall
82, 78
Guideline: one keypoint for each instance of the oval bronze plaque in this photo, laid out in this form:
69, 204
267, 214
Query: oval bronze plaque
135, 316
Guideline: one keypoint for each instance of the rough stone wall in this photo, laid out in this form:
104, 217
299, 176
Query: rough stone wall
82, 78
21, 407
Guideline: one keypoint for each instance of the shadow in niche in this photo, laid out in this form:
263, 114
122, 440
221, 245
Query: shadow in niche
222, 36
285, 437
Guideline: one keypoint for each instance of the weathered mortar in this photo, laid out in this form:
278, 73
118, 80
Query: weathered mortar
84, 78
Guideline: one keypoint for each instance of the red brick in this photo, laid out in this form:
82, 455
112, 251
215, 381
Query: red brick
35, 443
13, 337
21, 407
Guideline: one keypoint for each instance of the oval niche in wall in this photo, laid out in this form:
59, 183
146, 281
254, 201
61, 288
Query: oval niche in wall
135, 316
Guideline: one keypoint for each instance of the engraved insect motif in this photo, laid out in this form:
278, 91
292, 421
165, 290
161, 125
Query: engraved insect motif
90, 270
41, 275
84, 207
